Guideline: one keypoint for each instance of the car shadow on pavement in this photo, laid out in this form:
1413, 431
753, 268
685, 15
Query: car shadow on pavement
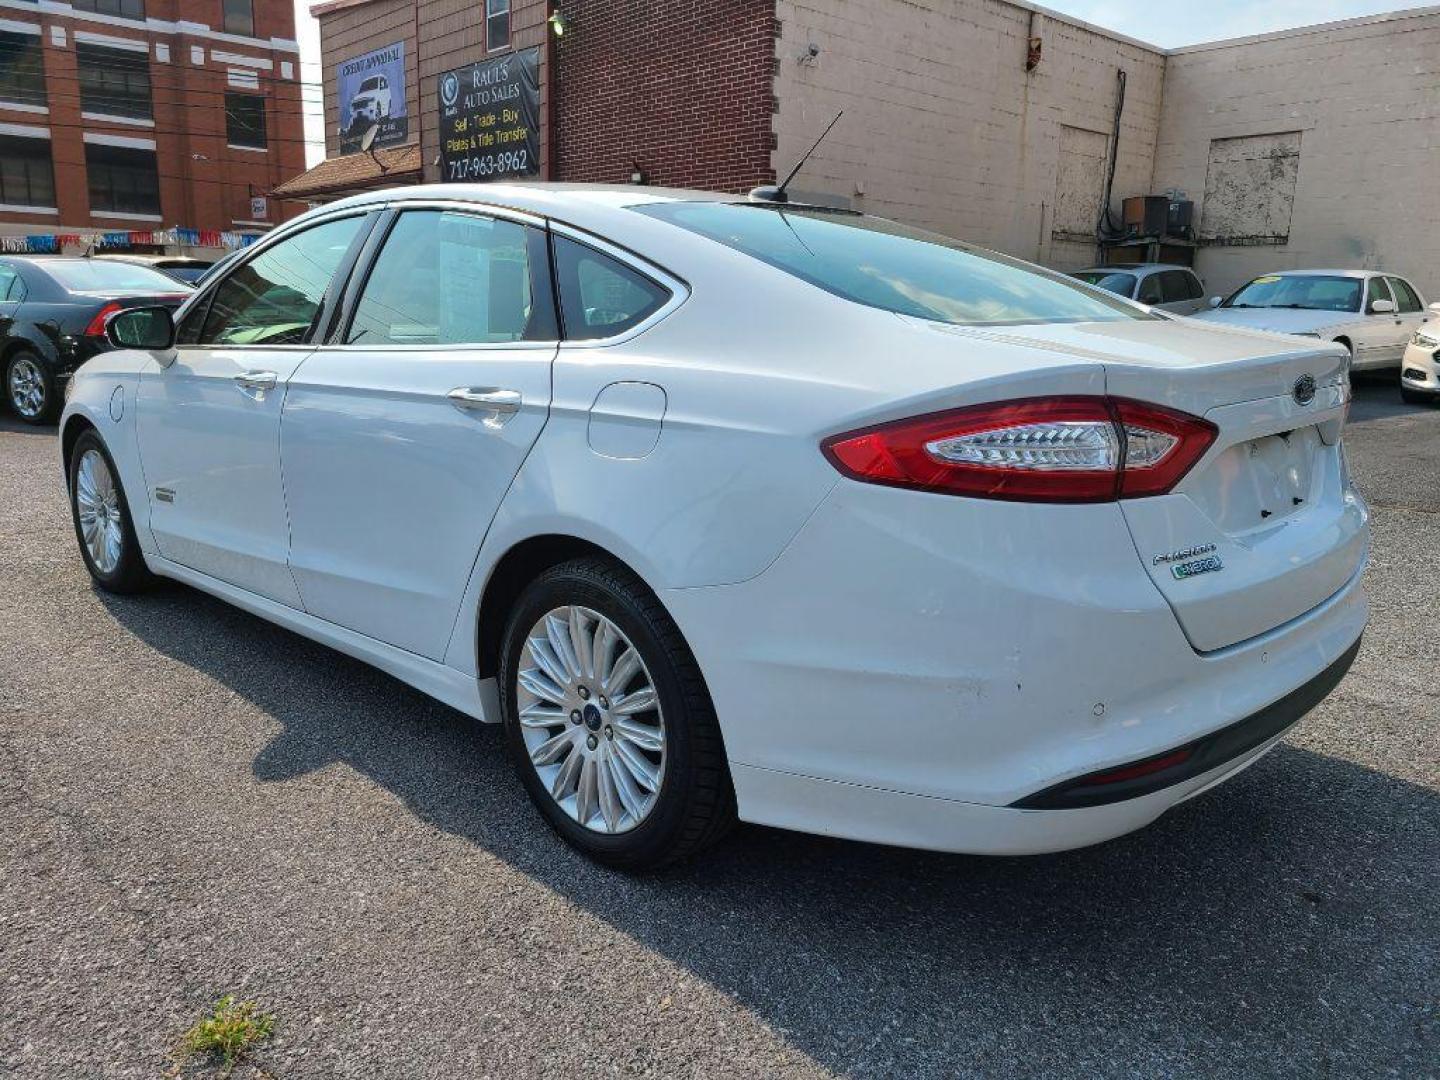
1298, 898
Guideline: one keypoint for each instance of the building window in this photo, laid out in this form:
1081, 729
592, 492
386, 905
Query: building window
26, 175
114, 81
123, 180
126, 9
245, 120
239, 17
22, 70
497, 24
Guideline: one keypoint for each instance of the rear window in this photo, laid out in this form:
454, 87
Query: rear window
1109, 280
892, 267
96, 275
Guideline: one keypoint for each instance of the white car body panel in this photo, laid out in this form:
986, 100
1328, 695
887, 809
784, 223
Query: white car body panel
886, 664
1420, 367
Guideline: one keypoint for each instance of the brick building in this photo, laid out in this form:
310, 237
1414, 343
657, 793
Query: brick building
145, 117
994, 121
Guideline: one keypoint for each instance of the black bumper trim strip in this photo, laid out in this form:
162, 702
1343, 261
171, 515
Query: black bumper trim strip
1206, 753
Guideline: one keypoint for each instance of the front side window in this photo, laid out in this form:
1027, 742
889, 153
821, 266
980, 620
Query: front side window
445, 278
122, 179
1110, 280
126, 9
601, 297
1311, 292
114, 81
273, 298
245, 121
497, 24
22, 69
26, 176
1406, 298
239, 17
885, 265
1376, 289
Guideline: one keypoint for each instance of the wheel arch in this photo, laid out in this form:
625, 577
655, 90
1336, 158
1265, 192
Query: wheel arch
75, 426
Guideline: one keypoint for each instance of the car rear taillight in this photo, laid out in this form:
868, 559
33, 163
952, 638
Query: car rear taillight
1055, 449
97, 324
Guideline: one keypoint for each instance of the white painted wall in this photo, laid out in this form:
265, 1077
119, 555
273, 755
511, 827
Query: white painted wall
1365, 97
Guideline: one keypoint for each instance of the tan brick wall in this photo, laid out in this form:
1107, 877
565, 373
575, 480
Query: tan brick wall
945, 129
1365, 98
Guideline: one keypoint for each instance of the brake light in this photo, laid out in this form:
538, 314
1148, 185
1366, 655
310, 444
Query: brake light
1056, 449
97, 324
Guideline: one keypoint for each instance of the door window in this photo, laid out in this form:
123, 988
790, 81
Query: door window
273, 298
601, 297
1197, 287
1375, 290
1406, 297
446, 278
1175, 286
1150, 290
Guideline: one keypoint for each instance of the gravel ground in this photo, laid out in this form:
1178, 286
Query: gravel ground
196, 802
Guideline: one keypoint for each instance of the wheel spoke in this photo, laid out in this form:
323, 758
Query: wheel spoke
540, 715
642, 735
642, 700
585, 793
566, 780
611, 808
630, 796
623, 671
582, 640
645, 773
552, 749
549, 663
557, 630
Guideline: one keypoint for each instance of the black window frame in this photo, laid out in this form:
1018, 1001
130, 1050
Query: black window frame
544, 325
234, 123
496, 14
128, 159
22, 69
8, 153
122, 9
242, 27
110, 85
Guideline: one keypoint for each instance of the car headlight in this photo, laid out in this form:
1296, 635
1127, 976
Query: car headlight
1425, 341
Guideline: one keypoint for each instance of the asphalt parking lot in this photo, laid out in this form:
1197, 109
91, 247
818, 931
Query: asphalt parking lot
196, 802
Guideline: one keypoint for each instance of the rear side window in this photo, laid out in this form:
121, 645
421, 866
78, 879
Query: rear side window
274, 298
446, 278
885, 265
601, 297
1150, 292
1175, 286
1405, 297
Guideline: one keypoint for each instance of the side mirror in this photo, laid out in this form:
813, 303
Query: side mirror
1215, 301
1382, 307
148, 328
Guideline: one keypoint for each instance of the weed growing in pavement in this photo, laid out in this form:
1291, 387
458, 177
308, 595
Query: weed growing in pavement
229, 1032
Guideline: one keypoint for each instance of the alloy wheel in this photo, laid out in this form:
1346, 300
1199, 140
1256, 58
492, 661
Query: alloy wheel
27, 387
591, 720
97, 504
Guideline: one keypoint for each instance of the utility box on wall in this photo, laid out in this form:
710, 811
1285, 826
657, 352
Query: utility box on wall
1157, 215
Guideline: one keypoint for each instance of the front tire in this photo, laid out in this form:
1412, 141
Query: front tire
103, 525
30, 388
608, 721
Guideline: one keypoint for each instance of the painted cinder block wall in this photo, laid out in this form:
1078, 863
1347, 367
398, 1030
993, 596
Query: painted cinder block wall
945, 129
1365, 97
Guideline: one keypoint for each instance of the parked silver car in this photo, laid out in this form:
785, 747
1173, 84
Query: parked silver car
1176, 289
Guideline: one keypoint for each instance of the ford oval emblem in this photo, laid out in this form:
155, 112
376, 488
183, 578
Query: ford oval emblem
1304, 389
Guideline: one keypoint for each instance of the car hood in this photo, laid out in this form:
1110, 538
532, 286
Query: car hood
1278, 320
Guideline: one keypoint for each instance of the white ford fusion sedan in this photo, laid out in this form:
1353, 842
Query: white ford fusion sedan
738, 508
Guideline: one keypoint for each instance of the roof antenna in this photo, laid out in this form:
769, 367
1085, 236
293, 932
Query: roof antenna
776, 194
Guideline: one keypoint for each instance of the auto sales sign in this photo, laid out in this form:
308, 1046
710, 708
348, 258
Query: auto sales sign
490, 118
371, 94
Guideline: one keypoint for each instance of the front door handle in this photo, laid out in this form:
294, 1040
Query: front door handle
257, 380
496, 405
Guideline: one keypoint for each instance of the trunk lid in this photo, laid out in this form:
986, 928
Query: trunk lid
1266, 526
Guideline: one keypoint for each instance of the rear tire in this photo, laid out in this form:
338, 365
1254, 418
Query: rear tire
104, 528
30, 388
662, 767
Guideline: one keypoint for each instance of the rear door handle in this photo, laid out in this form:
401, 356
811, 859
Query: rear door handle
496, 405
257, 380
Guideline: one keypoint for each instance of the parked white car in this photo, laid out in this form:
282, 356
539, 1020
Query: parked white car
1420, 367
730, 508
1372, 314
371, 102
1176, 289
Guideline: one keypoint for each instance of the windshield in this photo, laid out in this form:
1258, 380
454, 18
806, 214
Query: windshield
892, 267
1109, 280
97, 275
1313, 292
370, 84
